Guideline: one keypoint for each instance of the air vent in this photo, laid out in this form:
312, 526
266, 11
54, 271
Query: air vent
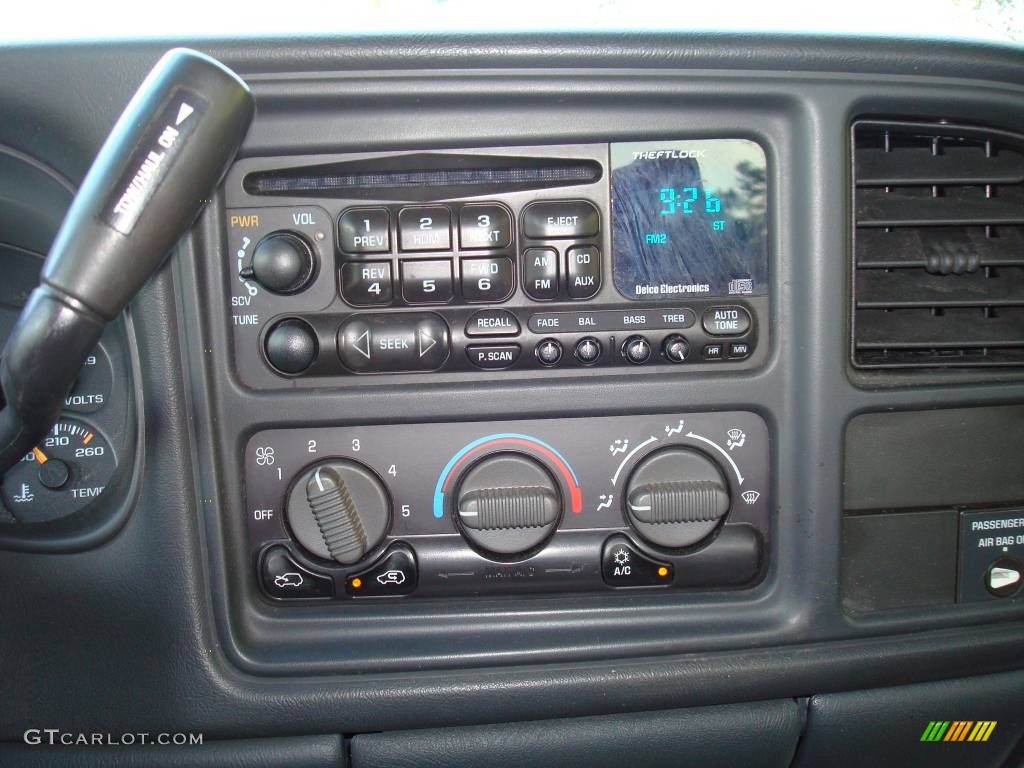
938, 275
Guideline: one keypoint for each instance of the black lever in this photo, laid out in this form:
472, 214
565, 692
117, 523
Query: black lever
152, 177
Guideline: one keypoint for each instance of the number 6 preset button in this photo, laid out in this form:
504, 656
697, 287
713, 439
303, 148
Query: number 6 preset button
427, 281
425, 228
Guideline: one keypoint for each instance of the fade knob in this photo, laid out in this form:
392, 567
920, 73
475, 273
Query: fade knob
676, 497
339, 510
507, 505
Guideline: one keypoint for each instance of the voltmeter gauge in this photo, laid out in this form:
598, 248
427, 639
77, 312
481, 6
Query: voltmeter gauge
66, 471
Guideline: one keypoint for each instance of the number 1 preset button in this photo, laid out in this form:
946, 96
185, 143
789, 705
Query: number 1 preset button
365, 230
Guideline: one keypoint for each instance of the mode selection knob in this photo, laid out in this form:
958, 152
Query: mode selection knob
339, 510
676, 497
507, 504
282, 262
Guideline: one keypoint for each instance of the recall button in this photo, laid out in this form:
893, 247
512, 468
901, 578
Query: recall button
493, 356
726, 321
492, 322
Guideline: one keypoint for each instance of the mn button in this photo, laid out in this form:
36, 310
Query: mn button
414, 341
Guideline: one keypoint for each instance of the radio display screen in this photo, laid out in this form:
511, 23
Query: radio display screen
689, 218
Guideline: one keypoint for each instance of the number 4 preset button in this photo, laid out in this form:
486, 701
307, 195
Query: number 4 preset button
365, 284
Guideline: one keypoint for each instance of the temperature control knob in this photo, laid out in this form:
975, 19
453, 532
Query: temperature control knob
676, 497
282, 262
508, 504
339, 510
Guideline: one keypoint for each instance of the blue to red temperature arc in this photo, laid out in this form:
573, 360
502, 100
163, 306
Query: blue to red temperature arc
467, 452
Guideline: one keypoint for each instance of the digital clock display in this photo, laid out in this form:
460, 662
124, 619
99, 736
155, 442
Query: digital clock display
689, 218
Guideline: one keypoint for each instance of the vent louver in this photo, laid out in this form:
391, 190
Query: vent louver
938, 275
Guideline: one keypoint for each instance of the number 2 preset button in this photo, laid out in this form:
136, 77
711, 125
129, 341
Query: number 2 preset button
427, 281
365, 230
484, 226
365, 284
425, 228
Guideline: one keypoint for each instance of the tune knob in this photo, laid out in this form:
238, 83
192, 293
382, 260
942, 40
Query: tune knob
282, 262
676, 497
507, 504
339, 510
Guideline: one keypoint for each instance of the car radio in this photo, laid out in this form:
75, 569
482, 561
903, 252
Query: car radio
631, 255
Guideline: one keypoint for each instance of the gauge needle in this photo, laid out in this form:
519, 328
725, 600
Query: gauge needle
40, 456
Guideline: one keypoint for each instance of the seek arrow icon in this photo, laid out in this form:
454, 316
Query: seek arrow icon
183, 113
426, 342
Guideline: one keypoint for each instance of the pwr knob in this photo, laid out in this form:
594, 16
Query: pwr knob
508, 504
339, 510
282, 262
676, 497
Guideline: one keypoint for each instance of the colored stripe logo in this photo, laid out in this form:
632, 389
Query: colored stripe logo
958, 730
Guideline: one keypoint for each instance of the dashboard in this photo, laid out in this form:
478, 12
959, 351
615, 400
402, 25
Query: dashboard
583, 400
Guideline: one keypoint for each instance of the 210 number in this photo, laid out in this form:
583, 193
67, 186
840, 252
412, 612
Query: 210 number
684, 199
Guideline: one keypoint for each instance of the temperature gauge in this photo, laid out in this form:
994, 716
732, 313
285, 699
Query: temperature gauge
67, 470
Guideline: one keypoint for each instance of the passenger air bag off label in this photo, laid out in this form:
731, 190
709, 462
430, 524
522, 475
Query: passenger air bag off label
152, 160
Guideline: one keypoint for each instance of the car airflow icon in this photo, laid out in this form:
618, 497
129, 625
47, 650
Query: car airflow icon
391, 577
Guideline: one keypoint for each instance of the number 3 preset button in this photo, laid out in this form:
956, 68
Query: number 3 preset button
484, 226
427, 281
425, 228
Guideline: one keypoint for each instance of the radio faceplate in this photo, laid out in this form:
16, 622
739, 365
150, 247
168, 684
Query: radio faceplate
567, 505
465, 261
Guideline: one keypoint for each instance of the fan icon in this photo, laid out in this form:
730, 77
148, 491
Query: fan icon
621, 557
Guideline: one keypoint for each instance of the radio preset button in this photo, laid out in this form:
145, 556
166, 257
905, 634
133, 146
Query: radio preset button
365, 230
427, 281
549, 352
492, 322
484, 226
561, 219
540, 273
425, 228
583, 271
493, 356
487, 279
368, 283
388, 343
726, 321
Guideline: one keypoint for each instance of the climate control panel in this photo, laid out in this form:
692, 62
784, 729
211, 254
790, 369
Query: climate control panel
516, 507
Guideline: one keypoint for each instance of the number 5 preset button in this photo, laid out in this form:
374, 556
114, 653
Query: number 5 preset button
425, 228
427, 281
